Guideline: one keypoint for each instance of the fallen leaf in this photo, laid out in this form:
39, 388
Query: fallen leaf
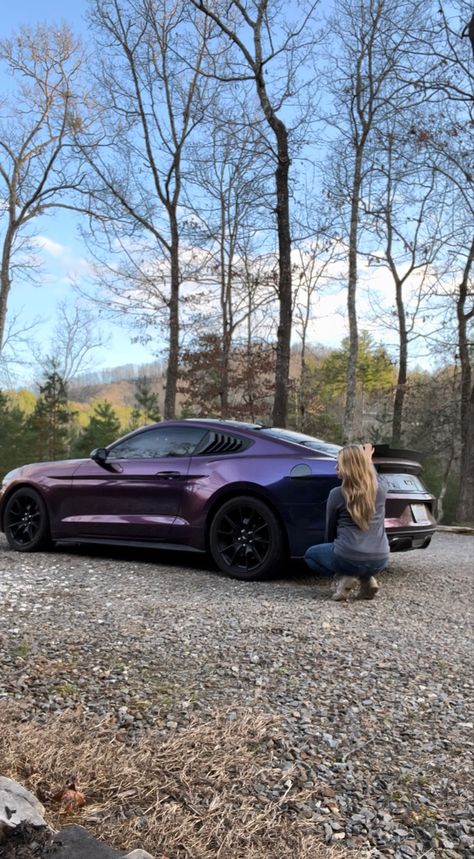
70, 798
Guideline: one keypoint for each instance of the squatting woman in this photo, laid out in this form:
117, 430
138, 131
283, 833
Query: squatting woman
356, 546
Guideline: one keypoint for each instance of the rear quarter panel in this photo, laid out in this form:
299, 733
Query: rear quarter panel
300, 502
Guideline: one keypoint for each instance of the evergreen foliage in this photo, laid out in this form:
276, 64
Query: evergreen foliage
375, 369
14, 446
103, 428
51, 432
50, 424
146, 408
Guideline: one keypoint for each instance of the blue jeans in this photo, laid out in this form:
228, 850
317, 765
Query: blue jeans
321, 559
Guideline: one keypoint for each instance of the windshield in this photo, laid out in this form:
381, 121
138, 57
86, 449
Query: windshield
306, 440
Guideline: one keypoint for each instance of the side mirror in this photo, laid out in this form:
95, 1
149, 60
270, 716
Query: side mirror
99, 455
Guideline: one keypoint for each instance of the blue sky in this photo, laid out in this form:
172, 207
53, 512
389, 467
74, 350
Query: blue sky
60, 246
64, 257
31, 11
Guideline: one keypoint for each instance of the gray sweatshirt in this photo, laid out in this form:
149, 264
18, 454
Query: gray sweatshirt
349, 540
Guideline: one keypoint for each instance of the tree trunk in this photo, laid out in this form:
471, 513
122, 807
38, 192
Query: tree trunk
282, 368
349, 410
301, 404
444, 486
465, 507
173, 356
5, 283
248, 378
282, 365
226, 311
225, 361
397, 420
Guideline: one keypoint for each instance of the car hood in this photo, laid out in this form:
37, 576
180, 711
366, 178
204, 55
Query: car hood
63, 468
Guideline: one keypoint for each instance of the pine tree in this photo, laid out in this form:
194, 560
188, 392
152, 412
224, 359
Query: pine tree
147, 407
14, 447
103, 428
51, 420
135, 419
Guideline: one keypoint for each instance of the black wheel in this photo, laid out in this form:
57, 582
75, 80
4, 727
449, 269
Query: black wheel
26, 522
246, 539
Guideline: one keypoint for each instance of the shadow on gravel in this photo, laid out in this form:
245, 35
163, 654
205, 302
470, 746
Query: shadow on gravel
296, 570
402, 566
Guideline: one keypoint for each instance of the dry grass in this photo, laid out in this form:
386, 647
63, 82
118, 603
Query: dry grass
191, 796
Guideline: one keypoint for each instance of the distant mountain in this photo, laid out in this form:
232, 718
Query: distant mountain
116, 385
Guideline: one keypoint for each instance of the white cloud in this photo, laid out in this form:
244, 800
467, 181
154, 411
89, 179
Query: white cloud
54, 249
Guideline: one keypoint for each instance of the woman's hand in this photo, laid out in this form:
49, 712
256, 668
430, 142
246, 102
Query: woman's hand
368, 451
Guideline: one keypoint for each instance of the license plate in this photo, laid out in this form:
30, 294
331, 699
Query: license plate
420, 513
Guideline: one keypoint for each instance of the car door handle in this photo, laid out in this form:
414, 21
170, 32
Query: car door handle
168, 475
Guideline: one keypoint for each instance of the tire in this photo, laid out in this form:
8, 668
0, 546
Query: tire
26, 522
246, 539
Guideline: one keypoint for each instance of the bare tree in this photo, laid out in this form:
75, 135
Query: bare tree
149, 90
16, 351
448, 146
258, 36
229, 223
75, 339
369, 78
407, 208
465, 315
312, 272
39, 117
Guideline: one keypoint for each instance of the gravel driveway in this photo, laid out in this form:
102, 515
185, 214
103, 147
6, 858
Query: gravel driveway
375, 697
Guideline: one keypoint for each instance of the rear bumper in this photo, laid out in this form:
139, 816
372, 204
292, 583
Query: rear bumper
412, 525
404, 541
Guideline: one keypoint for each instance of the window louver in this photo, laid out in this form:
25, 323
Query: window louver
221, 443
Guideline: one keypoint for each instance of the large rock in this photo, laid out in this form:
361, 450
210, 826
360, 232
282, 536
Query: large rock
21, 817
138, 854
74, 842
18, 805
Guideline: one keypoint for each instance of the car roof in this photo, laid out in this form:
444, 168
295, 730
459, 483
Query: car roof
281, 437
223, 422
278, 435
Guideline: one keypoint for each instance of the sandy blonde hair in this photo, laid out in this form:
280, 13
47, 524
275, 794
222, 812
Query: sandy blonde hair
359, 484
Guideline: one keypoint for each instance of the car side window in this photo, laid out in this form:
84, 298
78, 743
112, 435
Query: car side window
154, 443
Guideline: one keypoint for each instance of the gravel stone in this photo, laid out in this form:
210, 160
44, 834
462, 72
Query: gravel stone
375, 698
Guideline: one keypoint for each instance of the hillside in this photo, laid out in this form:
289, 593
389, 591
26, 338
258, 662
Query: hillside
116, 393
117, 385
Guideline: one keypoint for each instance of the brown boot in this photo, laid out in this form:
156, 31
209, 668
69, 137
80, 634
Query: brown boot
368, 588
344, 585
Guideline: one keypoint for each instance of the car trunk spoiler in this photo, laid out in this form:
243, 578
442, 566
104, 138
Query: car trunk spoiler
388, 458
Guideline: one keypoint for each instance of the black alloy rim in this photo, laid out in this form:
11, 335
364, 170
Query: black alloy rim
24, 520
243, 538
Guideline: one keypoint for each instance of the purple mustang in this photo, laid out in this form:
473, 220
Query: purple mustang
252, 496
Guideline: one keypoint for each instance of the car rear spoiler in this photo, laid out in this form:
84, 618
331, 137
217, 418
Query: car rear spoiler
396, 453
411, 458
